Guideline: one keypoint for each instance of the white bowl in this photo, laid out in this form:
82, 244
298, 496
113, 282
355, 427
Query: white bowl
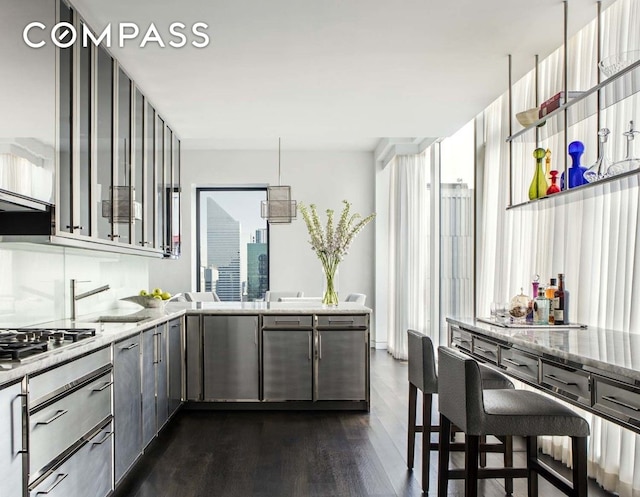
528, 117
148, 302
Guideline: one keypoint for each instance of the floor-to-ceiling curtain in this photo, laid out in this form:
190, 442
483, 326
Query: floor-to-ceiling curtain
409, 251
593, 238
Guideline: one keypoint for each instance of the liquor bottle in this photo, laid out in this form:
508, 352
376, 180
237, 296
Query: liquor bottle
559, 301
550, 294
534, 294
541, 308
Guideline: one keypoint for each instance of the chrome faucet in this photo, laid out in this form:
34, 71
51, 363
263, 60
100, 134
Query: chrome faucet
79, 296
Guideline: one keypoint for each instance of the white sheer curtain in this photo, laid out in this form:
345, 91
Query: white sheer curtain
409, 251
593, 238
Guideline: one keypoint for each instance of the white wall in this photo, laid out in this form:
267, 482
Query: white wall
321, 177
36, 281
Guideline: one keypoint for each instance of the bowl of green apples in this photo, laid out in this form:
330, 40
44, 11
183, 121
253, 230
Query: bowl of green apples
155, 298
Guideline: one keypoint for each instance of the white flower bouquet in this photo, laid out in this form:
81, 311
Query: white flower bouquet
331, 243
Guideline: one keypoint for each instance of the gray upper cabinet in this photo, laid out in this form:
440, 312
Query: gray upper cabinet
84, 137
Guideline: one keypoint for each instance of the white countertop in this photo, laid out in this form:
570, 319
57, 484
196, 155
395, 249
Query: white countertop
107, 333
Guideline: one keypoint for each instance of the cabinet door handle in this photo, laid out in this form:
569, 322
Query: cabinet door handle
320, 346
559, 380
341, 321
309, 336
620, 403
459, 340
16, 422
104, 439
103, 387
76, 227
155, 349
287, 321
486, 351
255, 335
129, 347
514, 363
58, 481
57, 415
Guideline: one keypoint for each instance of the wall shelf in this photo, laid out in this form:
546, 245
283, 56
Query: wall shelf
614, 89
582, 192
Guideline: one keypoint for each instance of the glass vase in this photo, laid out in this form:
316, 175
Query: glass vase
577, 170
539, 184
330, 293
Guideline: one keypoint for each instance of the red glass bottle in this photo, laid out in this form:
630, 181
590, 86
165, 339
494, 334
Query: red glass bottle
554, 187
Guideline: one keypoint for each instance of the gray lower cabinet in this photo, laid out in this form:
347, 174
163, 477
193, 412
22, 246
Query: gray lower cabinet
175, 361
342, 365
11, 440
127, 405
155, 411
231, 358
87, 472
287, 364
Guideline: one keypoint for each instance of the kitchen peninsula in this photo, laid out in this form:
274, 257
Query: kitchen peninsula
211, 355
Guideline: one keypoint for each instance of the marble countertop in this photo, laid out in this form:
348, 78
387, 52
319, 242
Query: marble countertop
596, 349
107, 333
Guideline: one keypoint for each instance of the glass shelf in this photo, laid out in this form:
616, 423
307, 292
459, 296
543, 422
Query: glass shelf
621, 85
623, 181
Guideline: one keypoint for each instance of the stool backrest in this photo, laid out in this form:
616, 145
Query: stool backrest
460, 390
422, 362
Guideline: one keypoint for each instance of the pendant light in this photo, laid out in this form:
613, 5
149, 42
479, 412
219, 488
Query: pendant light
278, 208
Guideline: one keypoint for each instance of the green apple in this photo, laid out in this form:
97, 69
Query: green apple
157, 297
156, 291
144, 293
166, 295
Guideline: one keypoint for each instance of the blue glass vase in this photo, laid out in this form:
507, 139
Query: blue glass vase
576, 171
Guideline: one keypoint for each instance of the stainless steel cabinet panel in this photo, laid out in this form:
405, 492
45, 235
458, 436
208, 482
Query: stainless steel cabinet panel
460, 339
342, 364
11, 440
127, 404
149, 419
567, 381
231, 358
279, 321
86, 473
42, 386
287, 364
343, 322
486, 349
519, 364
57, 426
162, 380
617, 399
175, 364
193, 351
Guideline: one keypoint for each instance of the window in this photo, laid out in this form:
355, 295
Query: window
232, 243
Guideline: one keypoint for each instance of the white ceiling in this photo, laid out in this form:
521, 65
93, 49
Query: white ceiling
333, 73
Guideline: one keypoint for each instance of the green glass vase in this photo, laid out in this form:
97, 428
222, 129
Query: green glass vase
539, 184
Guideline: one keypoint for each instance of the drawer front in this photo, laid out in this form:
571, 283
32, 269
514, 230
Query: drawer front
56, 427
570, 382
617, 399
519, 364
44, 385
485, 349
461, 339
284, 321
343, 322
88, 472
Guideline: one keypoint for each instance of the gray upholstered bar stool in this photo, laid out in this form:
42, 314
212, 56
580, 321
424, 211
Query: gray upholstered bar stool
479, 412
423, 377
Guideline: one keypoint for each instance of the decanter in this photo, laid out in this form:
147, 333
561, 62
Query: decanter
629, 163
554, 187
599, 170
576, 171
539, 184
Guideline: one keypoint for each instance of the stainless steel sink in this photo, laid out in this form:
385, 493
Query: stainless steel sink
129, 318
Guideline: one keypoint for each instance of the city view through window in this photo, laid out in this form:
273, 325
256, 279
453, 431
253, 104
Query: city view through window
233, 251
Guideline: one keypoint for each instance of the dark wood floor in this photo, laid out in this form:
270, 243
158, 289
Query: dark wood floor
286, 454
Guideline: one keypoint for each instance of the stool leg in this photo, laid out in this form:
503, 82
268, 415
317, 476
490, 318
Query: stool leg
483, 454
579, 453
443, 456
411, 438
471, 452
426, 439
532, 475
508, 462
